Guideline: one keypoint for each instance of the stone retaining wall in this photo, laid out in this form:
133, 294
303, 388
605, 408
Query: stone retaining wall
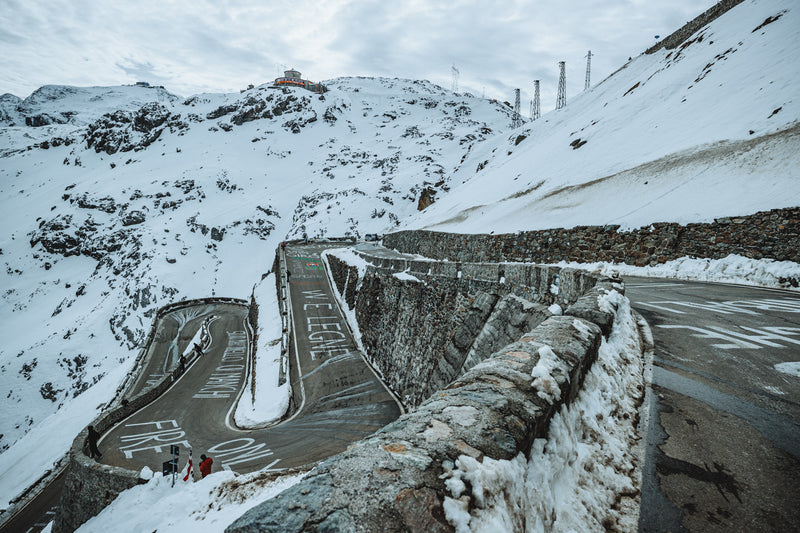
768, 234
421, 335
395, 480
90, 486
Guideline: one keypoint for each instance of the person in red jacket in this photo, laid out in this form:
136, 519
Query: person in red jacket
205, 465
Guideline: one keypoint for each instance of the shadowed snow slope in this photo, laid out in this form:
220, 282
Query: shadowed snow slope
709, 129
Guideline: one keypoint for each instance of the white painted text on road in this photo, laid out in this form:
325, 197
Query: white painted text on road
224, 382
750, 338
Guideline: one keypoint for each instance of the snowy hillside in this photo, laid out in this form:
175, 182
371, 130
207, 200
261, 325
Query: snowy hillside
59, 110
707, 130
135, 198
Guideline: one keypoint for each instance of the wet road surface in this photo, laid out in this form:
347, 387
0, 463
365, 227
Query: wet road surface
723, 443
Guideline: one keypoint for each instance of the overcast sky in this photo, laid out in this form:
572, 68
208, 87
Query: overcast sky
193, 46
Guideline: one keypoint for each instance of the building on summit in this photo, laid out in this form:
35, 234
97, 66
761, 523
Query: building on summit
291, 78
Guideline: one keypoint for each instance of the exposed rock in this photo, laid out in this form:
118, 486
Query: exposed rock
426, 198
133, 217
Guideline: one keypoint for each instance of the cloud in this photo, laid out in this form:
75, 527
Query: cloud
203, 45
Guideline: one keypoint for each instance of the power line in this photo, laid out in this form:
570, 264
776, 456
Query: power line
454, 85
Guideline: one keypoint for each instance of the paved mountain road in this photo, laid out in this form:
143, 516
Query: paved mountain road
173, 333
723, 443
340, 400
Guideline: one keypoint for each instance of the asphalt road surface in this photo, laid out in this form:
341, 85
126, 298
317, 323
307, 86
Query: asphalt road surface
723, 443
340, 399
173, 333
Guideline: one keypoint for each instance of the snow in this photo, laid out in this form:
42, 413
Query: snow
358, 168
348, 256
47, 442
271, 399
792, 368
581, 477
542, 373
731, 269
197, 339
209, 504
679, 136
405, 276
683, 136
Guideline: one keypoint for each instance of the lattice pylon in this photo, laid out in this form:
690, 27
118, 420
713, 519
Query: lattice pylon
535, 108
561, 99
588, 70
516, 118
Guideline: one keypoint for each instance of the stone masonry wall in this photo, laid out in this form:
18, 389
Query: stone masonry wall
769, 234
423, 335
394, 481
90, 486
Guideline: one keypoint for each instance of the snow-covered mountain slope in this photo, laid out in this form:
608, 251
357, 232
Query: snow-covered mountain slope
134, 203
60, 110
707, 130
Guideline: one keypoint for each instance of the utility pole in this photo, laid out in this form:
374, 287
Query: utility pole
561, 100
516, 119
535, 102
588, 70
454, 85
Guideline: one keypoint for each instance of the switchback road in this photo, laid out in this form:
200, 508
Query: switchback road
340, 400
173, 333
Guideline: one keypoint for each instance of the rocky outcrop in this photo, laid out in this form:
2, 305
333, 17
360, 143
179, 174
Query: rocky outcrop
123, 131
681, 36
426, 198
771, 234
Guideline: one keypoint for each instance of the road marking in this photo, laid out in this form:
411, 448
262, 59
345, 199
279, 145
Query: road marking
654, 285
167, 432
730, 307
242, 450
225, 379
324, 333
153, 380
735, 340
662, 308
